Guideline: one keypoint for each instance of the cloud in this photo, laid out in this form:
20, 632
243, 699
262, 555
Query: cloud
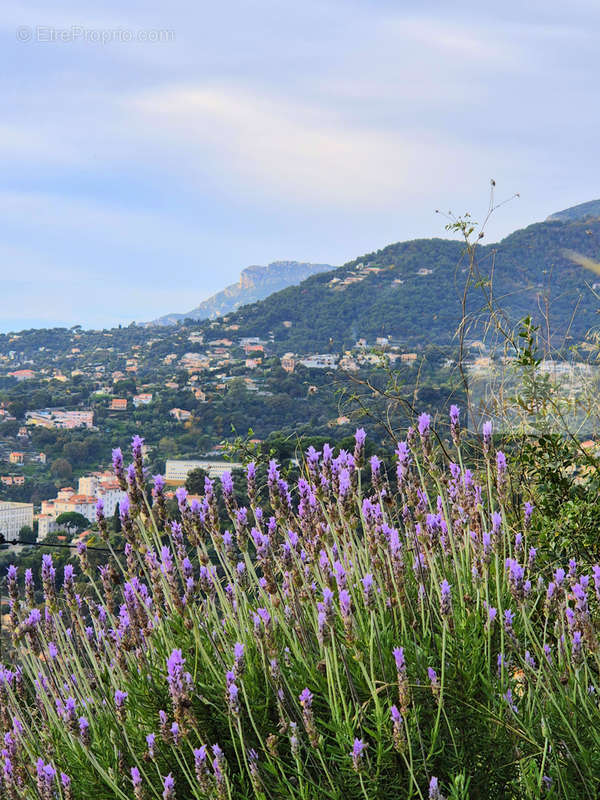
302, 152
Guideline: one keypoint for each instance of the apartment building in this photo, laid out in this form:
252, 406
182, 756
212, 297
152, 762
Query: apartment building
177, 471
13, 517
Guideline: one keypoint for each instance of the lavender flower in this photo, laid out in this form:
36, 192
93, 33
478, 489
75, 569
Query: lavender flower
117, 462
179, 682
66, 784
487, 436
346, 611
596, 572
227, 484
48, 578
201, 767
528, 514
359, 445
425, 433
150, 740
434, 790
136, 780
306, 700
137, 444
253, 767
238, 655
120, 698
84, 730
434, 681
368, 592
358, 751
233, 700
397, 728
508, 699
175, 733
516, 578
169, 787
501, 473
530, 660
446, 599
403, 685
455, 424
424, 425
576, 649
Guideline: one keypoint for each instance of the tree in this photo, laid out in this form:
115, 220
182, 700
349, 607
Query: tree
10, 428
73, 520
61, 468
26, 535
194, 482
75, 452
167, 445
116, 520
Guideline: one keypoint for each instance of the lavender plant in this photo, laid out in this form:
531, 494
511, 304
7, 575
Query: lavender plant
324, 642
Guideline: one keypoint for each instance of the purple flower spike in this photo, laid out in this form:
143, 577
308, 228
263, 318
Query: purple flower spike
455, 424
399, 659
434, 790
358, 750
306, 698
169, 787
577, 648
117, 460
424, 426
227, 484
150, 740
528, 513
487, 436
446, 599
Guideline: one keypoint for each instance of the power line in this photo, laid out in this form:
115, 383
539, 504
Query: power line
57, 544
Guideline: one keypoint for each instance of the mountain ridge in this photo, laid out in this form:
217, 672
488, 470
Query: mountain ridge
591, 208
255, 283
407, 290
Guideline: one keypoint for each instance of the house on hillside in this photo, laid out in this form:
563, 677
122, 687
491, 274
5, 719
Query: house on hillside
118, 404
142, 399
180, 414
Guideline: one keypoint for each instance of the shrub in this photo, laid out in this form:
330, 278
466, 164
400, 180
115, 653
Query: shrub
410, 643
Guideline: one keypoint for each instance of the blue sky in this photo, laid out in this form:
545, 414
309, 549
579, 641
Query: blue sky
138, 177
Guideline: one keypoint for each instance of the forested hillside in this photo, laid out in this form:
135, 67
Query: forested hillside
412, 290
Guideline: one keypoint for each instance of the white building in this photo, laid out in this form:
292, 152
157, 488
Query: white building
46, 524
14, 516
143, 399
56, 418
91, 488
320, 361
177, 471
111, 497
79, 503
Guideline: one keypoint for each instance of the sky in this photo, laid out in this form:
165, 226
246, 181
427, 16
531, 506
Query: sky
149, 151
